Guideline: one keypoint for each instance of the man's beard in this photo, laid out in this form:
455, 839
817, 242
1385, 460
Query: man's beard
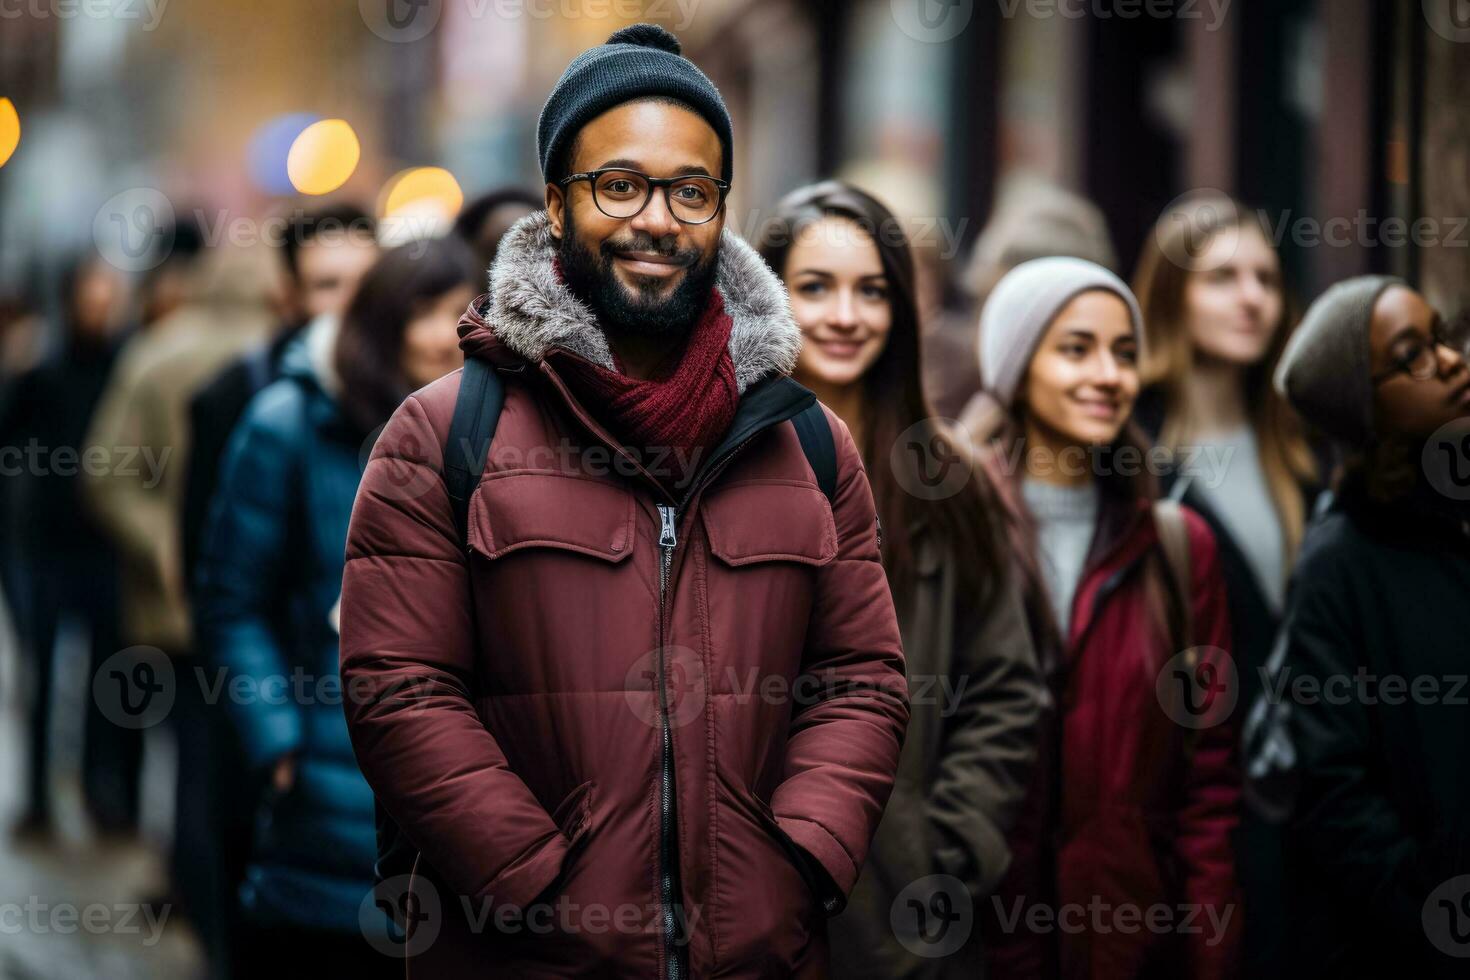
645, 314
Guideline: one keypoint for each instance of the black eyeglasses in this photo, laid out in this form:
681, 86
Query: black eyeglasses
1418, 359
623, 194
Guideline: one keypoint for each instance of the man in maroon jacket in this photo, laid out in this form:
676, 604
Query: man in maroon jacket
644, 720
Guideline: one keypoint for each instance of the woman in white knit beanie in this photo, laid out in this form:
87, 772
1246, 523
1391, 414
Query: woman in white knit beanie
1136, 636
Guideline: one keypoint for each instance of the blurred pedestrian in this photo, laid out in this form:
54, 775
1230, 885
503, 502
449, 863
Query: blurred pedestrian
1374, 659
269, 579
170, 280
973, 679
484, 221
65, 576
1144, 804
1032, 219
1217, 318
324, 253
551, 706
142, 423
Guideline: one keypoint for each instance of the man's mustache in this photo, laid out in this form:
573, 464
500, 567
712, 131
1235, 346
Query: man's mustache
665, 247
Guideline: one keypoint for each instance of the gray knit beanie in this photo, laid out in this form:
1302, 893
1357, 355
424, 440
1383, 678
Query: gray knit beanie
1023, 305
636, 61
1326, 369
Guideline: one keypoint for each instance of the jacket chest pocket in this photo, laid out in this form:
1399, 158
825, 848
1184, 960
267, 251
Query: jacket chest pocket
525, 511
769, 543
552, 582
757, 523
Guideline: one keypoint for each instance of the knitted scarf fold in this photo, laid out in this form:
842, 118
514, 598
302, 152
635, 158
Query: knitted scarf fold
678, 415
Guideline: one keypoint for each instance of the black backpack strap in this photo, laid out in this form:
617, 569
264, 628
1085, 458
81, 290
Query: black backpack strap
816, 441
476, 413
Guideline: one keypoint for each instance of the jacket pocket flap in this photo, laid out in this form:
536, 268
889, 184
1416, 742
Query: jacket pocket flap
755, 522
539, 510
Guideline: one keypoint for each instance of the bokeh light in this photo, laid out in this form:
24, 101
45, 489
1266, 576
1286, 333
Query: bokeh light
323, 156
269, 148
416, 185
9, 130
417, 203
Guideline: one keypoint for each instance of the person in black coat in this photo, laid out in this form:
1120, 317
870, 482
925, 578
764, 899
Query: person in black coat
1210, 286
66, 577
1372, 673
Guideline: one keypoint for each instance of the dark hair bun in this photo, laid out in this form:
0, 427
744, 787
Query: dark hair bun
647, 36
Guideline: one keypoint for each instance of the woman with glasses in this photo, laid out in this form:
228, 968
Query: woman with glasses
973, 680
1216, 316
1378, 643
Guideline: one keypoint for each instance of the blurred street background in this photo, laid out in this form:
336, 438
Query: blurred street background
135, 131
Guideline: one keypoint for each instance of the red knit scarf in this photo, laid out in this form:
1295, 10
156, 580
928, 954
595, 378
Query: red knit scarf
678, 415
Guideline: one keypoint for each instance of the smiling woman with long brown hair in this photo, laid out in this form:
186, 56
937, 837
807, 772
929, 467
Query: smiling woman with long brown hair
973, 679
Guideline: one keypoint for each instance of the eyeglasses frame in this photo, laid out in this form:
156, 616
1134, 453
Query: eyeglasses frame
654, 183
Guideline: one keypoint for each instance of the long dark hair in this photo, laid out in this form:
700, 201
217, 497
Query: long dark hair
399, 285
893, 402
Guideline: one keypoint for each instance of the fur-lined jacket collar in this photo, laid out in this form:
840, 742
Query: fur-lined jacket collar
530, 310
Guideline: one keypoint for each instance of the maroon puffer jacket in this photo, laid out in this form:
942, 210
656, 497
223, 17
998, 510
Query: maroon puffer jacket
505, 704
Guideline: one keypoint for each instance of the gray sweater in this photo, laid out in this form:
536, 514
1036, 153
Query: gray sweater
1066, 518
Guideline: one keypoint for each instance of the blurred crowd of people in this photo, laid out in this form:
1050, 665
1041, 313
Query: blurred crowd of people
234, 397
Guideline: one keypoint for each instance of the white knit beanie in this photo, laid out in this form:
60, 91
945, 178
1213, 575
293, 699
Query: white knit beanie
1021, 308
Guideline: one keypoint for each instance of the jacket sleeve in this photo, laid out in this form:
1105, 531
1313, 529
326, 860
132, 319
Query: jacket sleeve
240, 570
1347, 826
989, 750
1210, 809
842, 752
408, 651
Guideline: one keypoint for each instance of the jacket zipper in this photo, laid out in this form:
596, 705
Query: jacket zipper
668, 542
668, 885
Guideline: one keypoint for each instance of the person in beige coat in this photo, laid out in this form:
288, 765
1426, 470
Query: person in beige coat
142, 424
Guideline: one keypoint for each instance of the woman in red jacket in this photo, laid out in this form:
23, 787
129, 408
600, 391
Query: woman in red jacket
1127, 869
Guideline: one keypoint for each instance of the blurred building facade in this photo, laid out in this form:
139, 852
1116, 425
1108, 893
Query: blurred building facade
1311, 109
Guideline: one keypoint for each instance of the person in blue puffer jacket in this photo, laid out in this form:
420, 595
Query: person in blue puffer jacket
269, 580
